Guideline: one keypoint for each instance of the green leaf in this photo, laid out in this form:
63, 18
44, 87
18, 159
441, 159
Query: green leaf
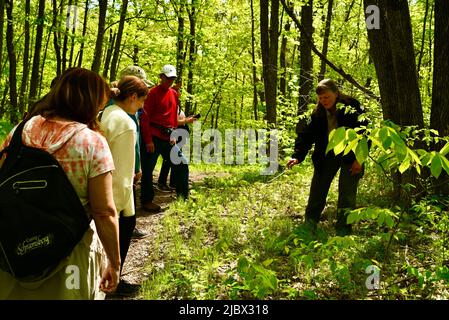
351, 134
389, 221
267, 262
336, 136
445, 149
404, 165
339, 148
352, 217
381, 219
361, 151
445, 164
414, 156
436, 167
350, 146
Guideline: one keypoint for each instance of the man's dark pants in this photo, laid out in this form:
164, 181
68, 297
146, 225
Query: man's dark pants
148, 162
321, 182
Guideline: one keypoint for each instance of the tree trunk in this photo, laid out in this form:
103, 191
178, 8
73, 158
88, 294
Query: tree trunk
5, 94
269, 26
43, 61
26, 56
118, 40
439, 117
253, 56
103, 6
283, 63
107, 60
56, 38
391, 48
327, 32
66, 35
72, 44
192, 54
80, 61
34, 83
306, 61
421, 52
2, 22
12, 62
404, 63
347, 16
180, 52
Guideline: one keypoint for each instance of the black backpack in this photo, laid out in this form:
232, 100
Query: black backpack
41, 217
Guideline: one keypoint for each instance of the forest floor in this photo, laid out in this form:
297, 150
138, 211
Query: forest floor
133, 270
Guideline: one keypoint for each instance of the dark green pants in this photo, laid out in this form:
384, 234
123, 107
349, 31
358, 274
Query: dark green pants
321, 182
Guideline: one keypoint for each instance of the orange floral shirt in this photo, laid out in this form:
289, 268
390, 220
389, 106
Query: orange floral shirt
82, 152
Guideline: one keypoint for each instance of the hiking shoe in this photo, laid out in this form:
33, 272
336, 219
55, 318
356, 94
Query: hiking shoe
163, 188
125, 289
139, 234
151, 207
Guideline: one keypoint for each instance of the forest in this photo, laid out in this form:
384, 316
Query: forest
254, 65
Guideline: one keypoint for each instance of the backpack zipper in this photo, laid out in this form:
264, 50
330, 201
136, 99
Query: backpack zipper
25, 171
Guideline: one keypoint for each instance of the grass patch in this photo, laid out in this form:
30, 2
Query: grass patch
241, 238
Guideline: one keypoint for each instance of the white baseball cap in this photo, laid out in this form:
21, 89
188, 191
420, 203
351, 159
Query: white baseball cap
169, 71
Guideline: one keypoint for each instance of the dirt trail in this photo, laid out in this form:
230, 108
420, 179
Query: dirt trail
133, 270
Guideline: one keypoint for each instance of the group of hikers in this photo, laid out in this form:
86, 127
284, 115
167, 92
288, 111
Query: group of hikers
108, 137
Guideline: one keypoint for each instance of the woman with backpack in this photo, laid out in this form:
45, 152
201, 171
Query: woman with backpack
65, 125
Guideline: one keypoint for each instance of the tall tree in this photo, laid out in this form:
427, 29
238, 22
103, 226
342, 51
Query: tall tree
306, 61
103, 6
269, 35
253, 57
2, 21
180, 48
192, 12
26, 56
404, 62
109, 49
392, 51
12, 60
66, 37
74, 23
56, 42
34, 83
327, 31
283, 62
118, 40
439, 117
81, 54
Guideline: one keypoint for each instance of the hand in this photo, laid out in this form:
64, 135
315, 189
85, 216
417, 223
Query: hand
172, 142
150, 147
110, 279
356, 168
292, 162
190, 119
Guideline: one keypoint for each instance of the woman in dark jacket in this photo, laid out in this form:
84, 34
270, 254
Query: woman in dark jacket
326, 117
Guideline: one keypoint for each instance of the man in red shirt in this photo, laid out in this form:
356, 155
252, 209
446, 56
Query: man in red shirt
159, 118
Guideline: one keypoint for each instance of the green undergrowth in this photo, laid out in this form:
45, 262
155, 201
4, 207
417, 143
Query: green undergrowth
241, 237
